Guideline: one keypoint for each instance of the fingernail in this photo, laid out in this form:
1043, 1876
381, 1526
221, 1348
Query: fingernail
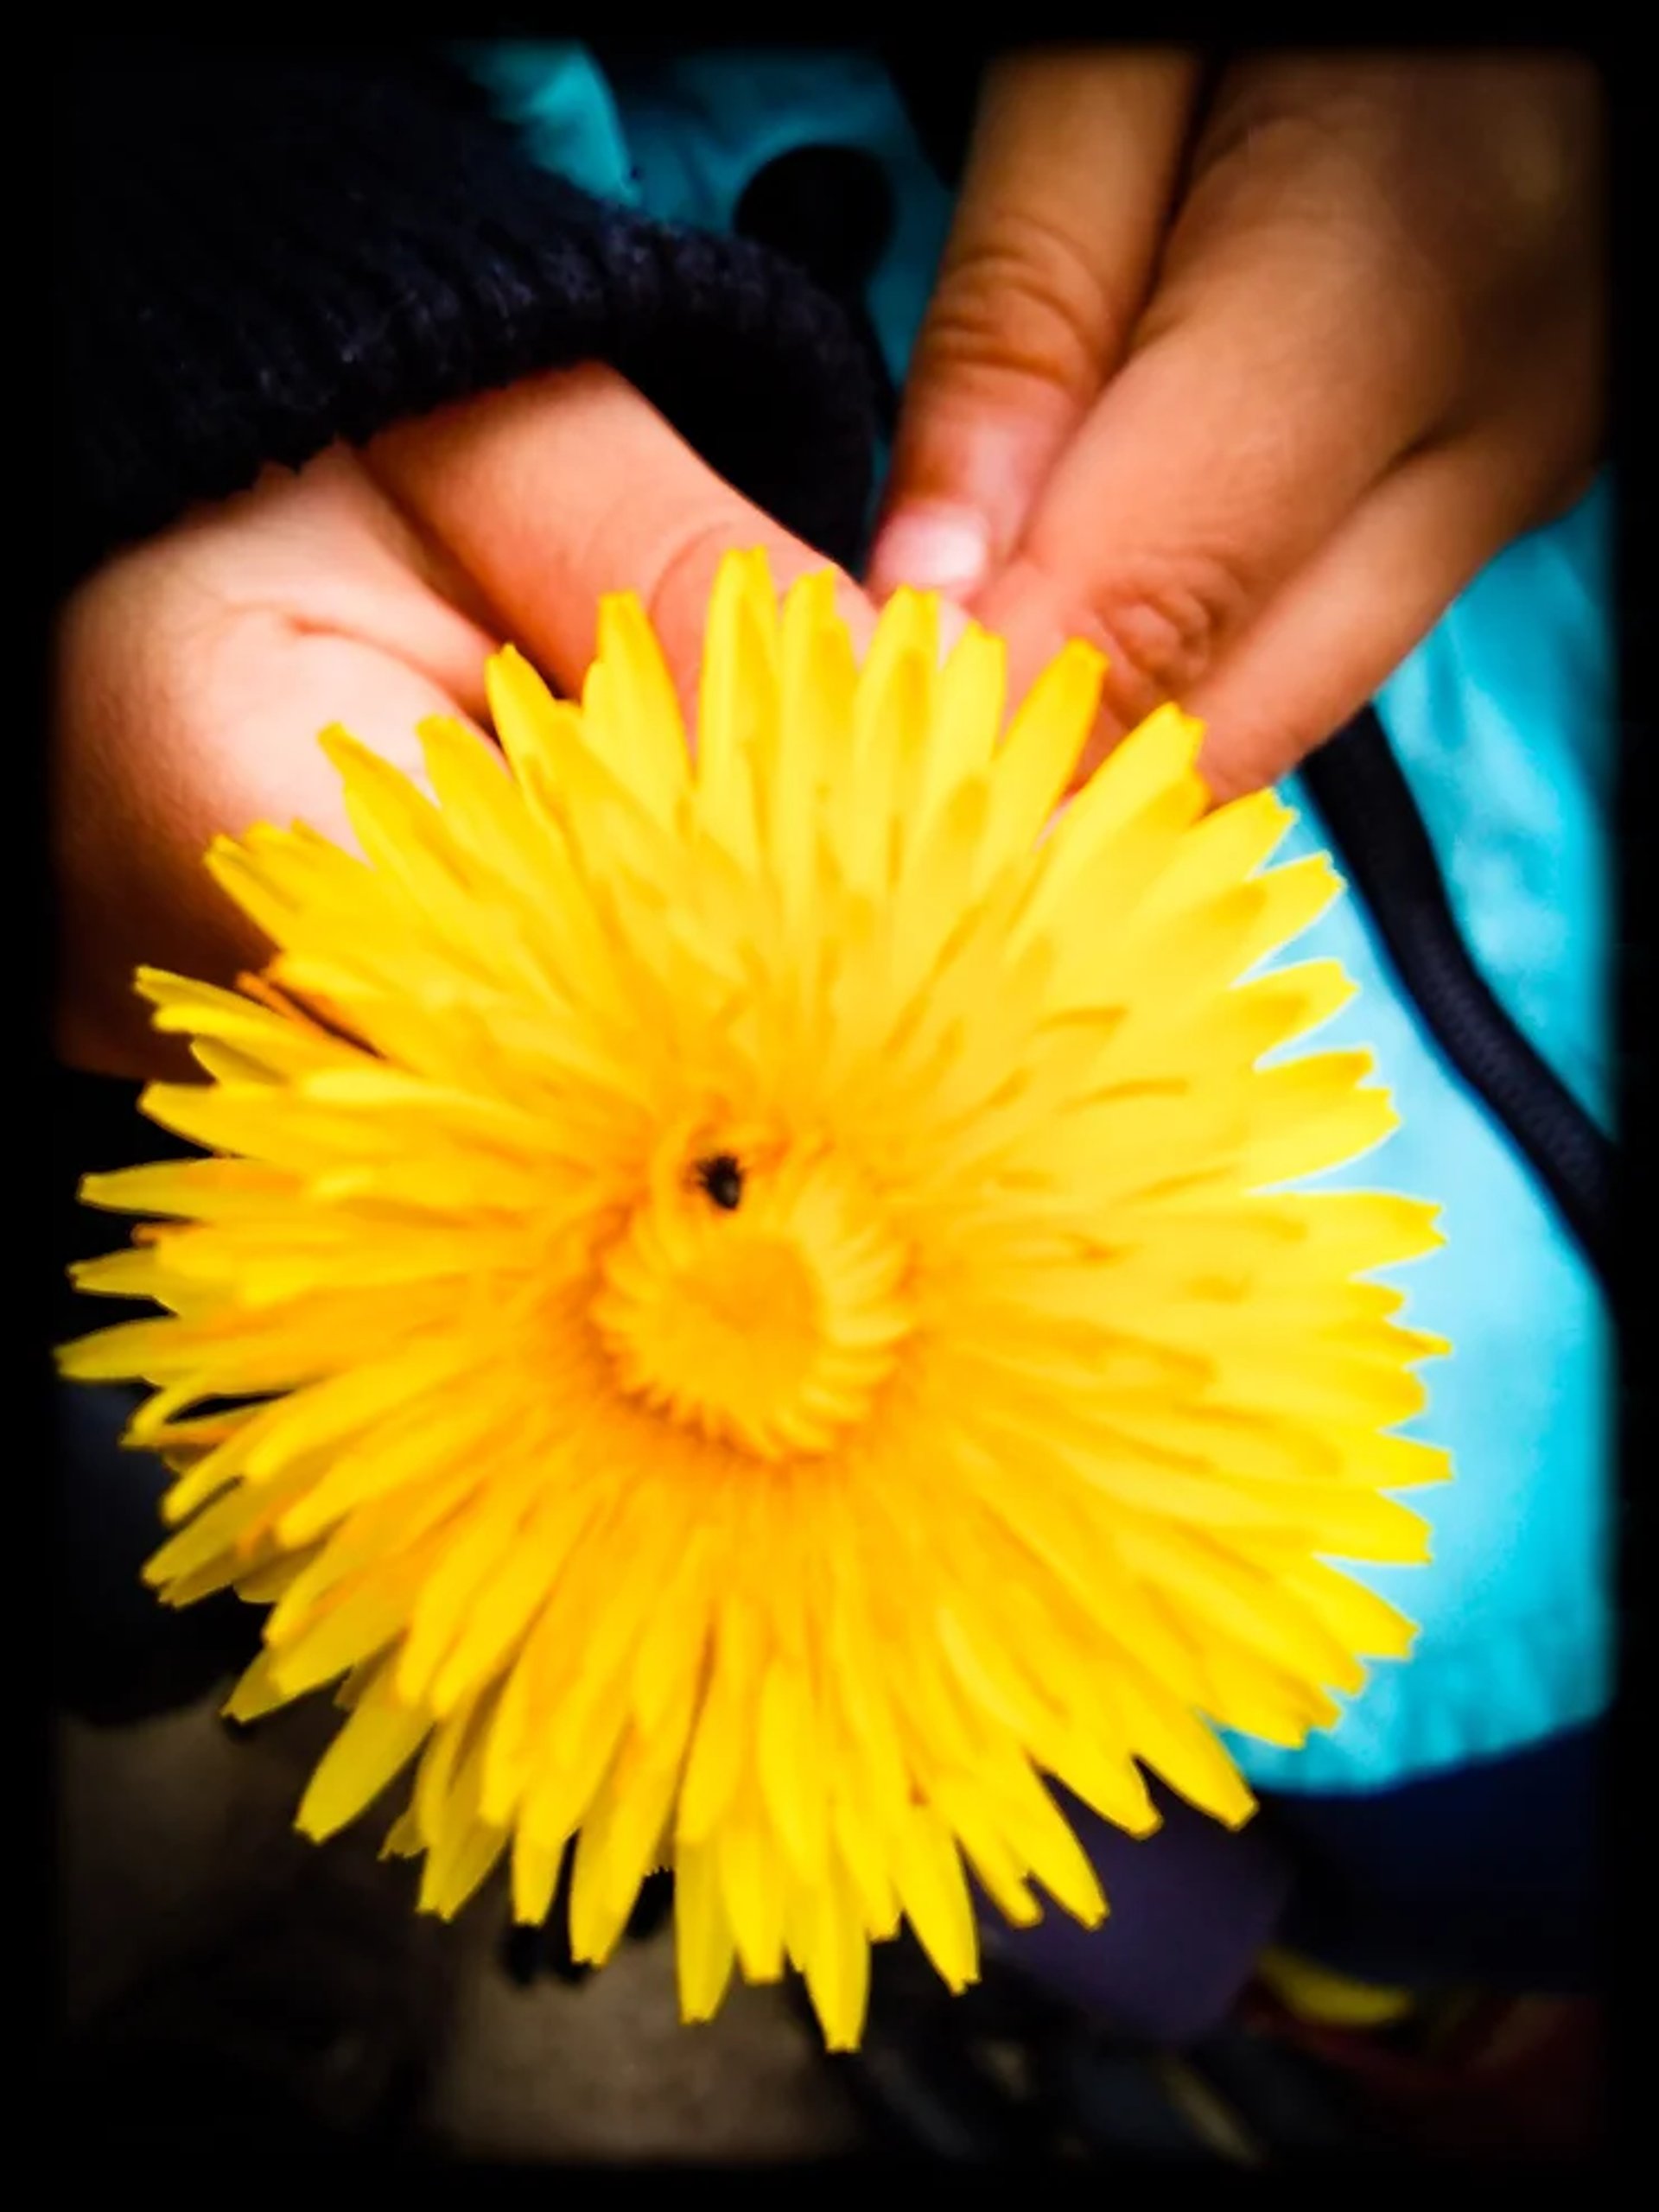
932, 548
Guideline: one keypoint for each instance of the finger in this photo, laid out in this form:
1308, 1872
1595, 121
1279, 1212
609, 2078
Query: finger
569, 486
1291, 352
1327, 642
329, 551
1052, 252
239, 748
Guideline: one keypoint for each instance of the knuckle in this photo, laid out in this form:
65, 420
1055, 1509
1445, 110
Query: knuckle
1024, 306
1160, 620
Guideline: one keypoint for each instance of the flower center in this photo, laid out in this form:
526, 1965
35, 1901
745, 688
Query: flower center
755, 1294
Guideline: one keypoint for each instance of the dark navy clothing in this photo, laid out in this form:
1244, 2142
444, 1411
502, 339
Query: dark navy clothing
261, 251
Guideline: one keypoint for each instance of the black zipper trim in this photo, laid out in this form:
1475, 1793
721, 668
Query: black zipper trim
1373, 823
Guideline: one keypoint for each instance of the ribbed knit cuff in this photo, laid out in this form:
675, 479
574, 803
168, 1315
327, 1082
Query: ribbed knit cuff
261, 251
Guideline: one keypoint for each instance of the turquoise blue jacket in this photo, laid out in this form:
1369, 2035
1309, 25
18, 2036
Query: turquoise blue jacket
1503, 725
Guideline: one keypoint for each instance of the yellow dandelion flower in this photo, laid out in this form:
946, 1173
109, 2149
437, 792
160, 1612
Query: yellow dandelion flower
747, 1304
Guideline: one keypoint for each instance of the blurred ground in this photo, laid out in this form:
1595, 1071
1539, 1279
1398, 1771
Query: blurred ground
233, 1992
203, 1945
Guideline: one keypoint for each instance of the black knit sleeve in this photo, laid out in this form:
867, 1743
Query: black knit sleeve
263, 250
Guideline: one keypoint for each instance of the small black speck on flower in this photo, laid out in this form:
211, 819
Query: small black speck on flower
721, 1179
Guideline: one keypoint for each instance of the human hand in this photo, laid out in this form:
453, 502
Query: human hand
195, 672
1246, 395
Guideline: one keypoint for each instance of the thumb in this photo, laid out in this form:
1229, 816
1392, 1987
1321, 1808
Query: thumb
570, 486
1062, 210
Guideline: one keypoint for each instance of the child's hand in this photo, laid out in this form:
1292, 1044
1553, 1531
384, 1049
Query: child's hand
195, 672
1249, 408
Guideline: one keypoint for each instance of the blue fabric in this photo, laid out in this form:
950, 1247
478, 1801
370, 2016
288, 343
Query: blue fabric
1503, 724
1514, 1610
560, 101
1504, 720
701, 127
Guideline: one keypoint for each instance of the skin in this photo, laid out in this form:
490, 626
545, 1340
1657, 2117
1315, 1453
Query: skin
1244, 392
195, 671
